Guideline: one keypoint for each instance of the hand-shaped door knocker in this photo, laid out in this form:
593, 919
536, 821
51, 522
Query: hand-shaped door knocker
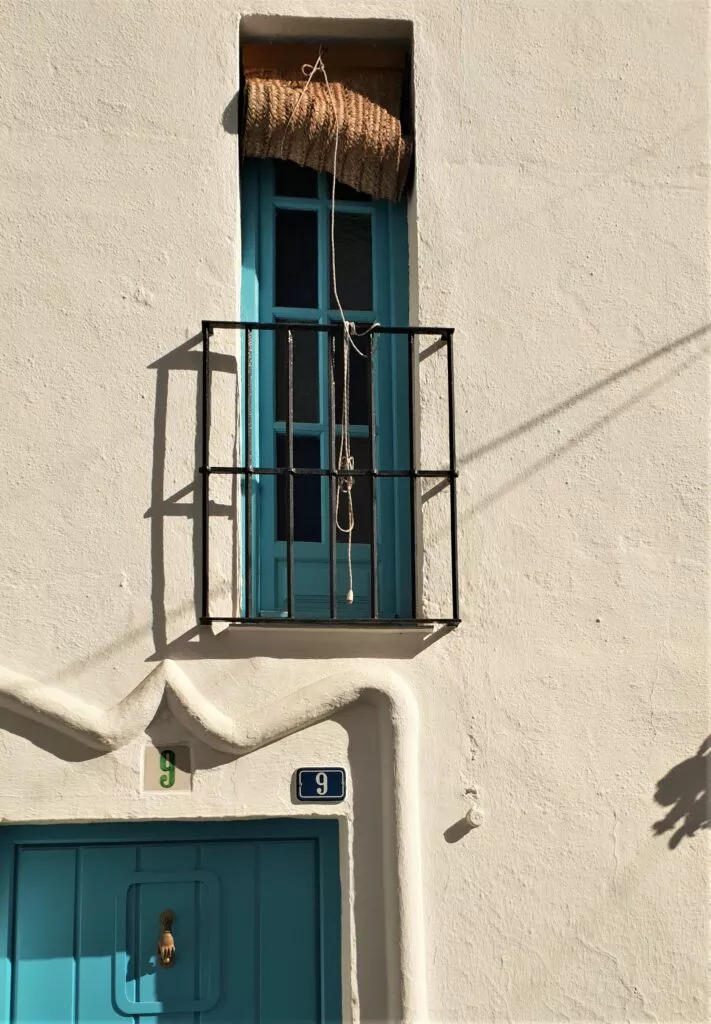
166, 942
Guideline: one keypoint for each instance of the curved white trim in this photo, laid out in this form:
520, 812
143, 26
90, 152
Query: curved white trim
108, 730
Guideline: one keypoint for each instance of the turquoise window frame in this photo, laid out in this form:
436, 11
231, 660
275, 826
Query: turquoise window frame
390, 306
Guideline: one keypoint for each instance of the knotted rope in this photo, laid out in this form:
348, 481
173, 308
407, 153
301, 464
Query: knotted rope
346, 461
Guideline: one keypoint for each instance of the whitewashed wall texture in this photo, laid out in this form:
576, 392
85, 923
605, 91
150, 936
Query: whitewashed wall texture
559, 224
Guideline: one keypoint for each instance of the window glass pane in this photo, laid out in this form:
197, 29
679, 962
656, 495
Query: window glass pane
359, 389
292, 180
360, 450
296, 258
306, 376
346, 192
307, 490
354, 261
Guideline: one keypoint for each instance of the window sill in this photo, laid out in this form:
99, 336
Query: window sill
320, 640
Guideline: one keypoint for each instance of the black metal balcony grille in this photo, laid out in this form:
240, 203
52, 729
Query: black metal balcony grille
447, 475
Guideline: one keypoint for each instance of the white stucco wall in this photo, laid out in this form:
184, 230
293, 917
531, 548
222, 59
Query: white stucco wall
561, 229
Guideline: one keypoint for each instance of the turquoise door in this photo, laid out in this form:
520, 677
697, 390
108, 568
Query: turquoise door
256, 929
286, 277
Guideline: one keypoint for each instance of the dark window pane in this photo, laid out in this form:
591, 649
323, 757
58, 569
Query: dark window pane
359, 390
306, 378
346, 192
296, 262
307, 490
292, 180
354, 261
360, 493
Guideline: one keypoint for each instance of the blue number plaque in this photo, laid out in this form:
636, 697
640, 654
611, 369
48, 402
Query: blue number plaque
316, 785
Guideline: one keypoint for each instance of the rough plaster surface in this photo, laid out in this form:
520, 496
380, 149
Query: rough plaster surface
561, 229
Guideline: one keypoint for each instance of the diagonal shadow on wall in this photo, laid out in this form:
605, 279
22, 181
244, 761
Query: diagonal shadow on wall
495, 444
685, 790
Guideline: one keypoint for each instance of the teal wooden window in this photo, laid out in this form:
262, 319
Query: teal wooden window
286, 277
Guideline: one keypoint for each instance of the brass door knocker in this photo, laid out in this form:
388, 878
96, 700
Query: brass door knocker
166, 942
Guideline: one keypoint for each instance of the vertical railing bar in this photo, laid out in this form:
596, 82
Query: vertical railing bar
332, 482
452, 475
205, 600
413, 480
248, 475
290, 474
373, 488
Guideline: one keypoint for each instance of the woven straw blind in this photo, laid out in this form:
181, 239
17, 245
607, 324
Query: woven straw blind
367, 88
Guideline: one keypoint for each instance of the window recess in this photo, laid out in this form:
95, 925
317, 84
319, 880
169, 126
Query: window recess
331, 485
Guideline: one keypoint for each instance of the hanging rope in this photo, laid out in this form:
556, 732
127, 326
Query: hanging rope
346, 462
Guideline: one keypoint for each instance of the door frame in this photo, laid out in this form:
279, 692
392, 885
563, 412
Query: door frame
324, 831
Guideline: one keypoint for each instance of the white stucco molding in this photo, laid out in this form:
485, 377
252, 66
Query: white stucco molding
113, 728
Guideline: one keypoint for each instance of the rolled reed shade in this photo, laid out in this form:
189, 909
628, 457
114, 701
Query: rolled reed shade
285, 122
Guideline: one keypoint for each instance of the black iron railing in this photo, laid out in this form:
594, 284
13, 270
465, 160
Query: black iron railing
448, 475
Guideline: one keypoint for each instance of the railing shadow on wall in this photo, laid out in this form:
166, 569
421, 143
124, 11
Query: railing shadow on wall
182, 503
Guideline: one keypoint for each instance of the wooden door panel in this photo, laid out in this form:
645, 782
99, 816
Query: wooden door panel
98, 867
237, 864
44, 937
289, 932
